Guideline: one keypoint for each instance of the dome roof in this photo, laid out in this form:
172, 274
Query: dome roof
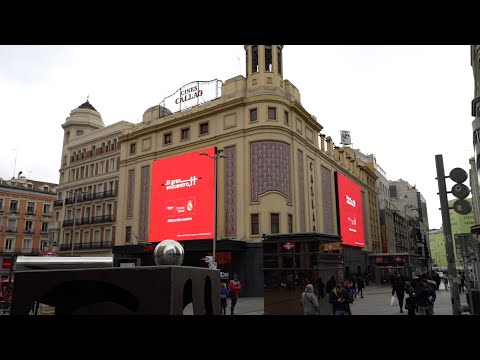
87, 105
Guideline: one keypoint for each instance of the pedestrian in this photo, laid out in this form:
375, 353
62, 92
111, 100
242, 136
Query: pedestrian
445, 282
331, 284
321, 286
398, 287
235, 287
340, 300
223, 298
410, 300
310, 301
360, 286
463, 283
425, 298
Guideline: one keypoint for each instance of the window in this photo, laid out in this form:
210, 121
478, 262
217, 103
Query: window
30, 208
272, 113
100, 188
28, 226
97, 236
98, 211
94, 151
290, 223
57, 215
67, 238
268, 58
254, 59
186, 134
86, 237
279, 59
108, 235
82, 172
30, 186
101, 167
44, 226
112, 164
79, 133
285, 117
1, 205
133, 148
9, 244
108, 210
87, 212
46, 189
47, 210
253, 114
27, 245
14, 184
43, 245
254, 222
13, 206
275, 226
128, 234
72, 174
111, 185
92, 169
167, 138
204, 128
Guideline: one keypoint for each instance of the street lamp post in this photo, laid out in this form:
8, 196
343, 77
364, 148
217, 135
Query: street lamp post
218, 154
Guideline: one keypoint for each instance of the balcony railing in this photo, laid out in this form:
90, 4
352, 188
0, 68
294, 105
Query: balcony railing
57, 203
90, 197
30, 212
87, 246
92, 220
28, 231
13, 211
12, 230
47, 214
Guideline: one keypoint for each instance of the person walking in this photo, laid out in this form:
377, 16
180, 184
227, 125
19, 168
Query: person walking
445, 282
360, 286
340, 300
223, 298
425, 298
398, 287
235, 287
310, 301
410, 300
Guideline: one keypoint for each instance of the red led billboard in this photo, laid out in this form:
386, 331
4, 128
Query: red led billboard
182, 197
350, 215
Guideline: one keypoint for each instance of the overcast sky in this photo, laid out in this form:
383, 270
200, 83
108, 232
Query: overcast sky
405, 104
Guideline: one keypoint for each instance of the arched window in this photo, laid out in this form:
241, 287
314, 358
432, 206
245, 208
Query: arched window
94, 151
74, 155
108, 146
103, 147
114, 145
84, 153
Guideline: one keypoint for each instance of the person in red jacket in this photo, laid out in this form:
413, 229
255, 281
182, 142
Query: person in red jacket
235, 287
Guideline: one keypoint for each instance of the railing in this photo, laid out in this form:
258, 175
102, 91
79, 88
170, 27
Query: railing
87, 246
58, 203
13, 211
47, 215
30, 212
92, 220
11, 230
90, 197
28, 231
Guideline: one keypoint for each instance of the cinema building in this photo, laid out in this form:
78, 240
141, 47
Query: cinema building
290, 204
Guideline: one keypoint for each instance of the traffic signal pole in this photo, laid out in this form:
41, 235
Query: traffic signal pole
447, 232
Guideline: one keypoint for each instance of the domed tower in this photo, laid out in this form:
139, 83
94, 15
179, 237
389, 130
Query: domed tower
81, 121
264, 67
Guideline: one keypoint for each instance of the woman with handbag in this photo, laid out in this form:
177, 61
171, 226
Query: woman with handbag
310, 301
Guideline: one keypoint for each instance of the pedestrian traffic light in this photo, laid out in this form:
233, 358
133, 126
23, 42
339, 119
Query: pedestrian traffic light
460, 191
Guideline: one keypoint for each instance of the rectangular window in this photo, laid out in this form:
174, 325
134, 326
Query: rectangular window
30, 208
108, 236
28, 226
82, 172
101, 167
253, 114
92, 169
27, 245
275, 223
47, 210
57, 215
67, 238
12, 225
133, 148
100, 188
255, 225
272, 113
43, 245
167, 138
44, 226
98, 211
204, 128
186, 134
285, 118
86, 237
14, 206
254, 59
112, 164
268, 58
290, 223
128, 235
9, 245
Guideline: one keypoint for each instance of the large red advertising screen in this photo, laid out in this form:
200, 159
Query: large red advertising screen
182, 197
350, 215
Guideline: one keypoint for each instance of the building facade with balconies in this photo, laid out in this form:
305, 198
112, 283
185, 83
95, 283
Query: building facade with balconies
86, 205
26, 208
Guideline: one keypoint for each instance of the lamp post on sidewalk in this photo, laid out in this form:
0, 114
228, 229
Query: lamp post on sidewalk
217, 155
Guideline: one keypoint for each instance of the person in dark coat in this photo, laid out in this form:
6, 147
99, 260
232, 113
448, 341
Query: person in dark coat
331, 285
425, 298
321, 286
340, 300
398, 287
410, 300
360, 286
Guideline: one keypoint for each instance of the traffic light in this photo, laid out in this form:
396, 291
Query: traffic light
460, 191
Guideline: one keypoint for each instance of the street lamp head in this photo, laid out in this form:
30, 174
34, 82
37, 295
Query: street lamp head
219, 151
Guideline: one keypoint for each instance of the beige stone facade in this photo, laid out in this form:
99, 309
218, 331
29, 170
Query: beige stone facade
89, 168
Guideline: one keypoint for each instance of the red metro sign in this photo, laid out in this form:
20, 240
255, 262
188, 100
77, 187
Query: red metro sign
288, 246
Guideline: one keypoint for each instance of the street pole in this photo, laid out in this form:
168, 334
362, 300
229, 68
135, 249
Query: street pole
74, 210
447, 231
215, 206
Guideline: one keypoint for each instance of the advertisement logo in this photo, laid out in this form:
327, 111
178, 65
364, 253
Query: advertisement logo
349, 211
182, 196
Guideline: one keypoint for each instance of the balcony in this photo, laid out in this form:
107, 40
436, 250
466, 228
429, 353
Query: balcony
47, 214
13, 211
30, 213
11, 230
102, 219
28, 231
87, 220
87, 246
58, 203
